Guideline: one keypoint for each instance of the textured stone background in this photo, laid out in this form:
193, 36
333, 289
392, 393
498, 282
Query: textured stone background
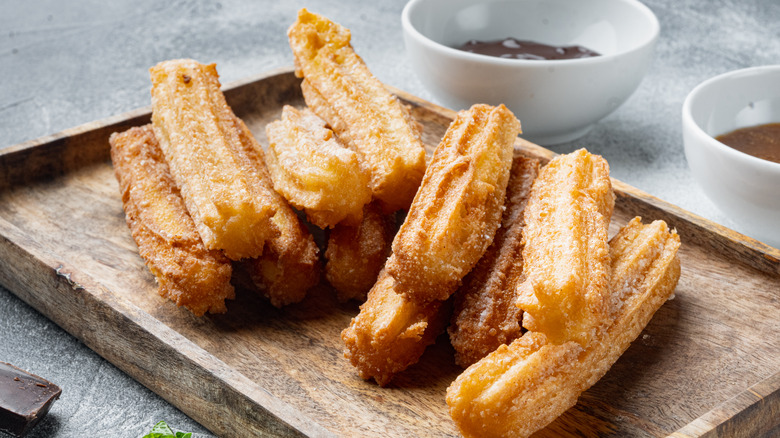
67, 63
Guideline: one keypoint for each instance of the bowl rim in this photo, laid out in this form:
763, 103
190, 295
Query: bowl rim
709, 140
407, 27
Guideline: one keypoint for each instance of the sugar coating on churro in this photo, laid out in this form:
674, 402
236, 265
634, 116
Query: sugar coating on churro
186, 272
314, 171
199, 137
339, 87
456, 211
356, 254
521, 388
566, 255
485, 315
290, 263
391, 331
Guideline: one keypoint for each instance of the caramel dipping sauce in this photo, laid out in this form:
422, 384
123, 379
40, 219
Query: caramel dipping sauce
762, 141
511, 48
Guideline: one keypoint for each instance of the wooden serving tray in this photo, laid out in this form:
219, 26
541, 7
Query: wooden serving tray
708, 364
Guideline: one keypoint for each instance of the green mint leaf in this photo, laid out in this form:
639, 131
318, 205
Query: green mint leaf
162, 430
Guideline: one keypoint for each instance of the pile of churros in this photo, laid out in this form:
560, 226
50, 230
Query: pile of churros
511, 258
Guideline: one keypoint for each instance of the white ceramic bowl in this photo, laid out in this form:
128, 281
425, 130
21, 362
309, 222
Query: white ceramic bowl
744, 187
556, 101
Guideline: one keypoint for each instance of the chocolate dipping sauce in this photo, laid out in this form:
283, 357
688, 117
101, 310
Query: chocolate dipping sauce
512, 48
762, 141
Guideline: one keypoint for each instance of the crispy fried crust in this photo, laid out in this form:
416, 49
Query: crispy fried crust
186, 272
340, 89
462, 194
566, 255
356, 255
284, 278
315, 100
458, 207
391, 331
521, 388
485, 315
290, 264
199, 137
315, 172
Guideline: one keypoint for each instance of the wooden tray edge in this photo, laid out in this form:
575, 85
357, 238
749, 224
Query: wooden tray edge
753, 413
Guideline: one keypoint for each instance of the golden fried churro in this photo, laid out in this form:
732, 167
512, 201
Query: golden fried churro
566, 255
312, 169
521, 388
290, 263
485, 314
458, 207
314, 99
285, 277
199, 138
391, 331
356, 255
340, 89
167, 240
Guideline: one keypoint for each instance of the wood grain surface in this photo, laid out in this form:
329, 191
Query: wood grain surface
708, 364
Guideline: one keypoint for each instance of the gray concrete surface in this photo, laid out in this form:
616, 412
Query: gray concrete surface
64, 63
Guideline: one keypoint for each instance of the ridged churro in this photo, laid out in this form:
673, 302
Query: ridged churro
340, 88
458, 207
391, 331
315, 172
521, 388
356, 254
485, 314
200, 140
221, 171
566, 253
186, 272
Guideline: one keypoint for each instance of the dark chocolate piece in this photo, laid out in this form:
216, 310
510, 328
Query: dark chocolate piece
24, 399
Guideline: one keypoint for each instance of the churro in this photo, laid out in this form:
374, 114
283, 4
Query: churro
356, 254
566, 253
521, 388
340, 88
458, 207
485, 315
315, 172
290, 263
186, 272
199, 137
391, 331
284, 277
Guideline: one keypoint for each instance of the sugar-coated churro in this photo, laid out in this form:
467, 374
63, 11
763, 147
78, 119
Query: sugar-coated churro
315, 172
284, 278
521, 388
566, 253
485, 314
458, 207
290, 264
186, 272
200, 140
391, 331
339, 87
356, 254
